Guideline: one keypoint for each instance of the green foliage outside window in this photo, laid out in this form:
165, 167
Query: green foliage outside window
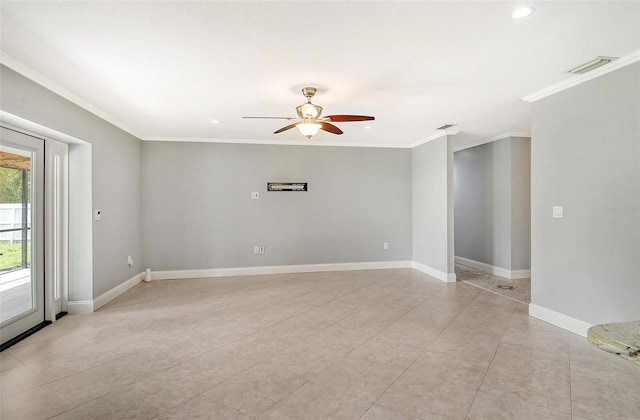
11, 185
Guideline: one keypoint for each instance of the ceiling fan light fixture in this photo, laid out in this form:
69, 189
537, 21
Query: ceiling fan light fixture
308, 111
309, 129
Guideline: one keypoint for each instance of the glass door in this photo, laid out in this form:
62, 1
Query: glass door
21, 234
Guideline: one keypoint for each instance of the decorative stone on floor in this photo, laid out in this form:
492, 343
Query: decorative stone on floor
622, 338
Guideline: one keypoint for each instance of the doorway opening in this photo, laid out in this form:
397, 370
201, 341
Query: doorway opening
492, 216
33, 238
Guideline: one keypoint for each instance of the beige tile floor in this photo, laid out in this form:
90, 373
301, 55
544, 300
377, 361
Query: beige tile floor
517, 289
376, 344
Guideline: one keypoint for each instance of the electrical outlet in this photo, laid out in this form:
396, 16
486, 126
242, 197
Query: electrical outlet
255, 195
258, 250
385, 245
129, 261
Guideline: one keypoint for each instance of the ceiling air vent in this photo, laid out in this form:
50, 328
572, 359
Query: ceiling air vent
592, 65
444, 127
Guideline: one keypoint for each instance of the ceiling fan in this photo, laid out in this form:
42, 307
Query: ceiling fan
309, 119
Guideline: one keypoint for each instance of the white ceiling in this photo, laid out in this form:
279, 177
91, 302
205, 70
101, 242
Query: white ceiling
165, 69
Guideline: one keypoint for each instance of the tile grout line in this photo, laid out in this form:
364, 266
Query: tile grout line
311, 380
387, 388
570, 378
490, 363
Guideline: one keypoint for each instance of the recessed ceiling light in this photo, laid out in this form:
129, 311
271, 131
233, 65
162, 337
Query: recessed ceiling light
215, 122
522, 12
367, 127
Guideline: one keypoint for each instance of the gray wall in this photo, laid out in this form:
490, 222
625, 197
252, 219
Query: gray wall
520, 203
432, 204
492, 203
482, 197
116, 175
198, 211
586, 157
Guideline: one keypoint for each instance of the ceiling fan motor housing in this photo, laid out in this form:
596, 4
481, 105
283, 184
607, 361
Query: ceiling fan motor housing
309, 92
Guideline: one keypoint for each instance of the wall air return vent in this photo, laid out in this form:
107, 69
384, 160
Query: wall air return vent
592, 65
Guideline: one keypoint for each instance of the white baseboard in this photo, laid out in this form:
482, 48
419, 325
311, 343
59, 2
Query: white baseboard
559, 320
113, 293
440, 275
276, 269
498, 271
80, 306
89, 306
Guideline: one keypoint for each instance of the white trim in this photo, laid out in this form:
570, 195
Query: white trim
621, 62
113, 293
21, 68
440, 275
36, 130
494, 138
440, 133
316, 142
89, 306
275, 269
452, 131
80, 306
492, 269
79, 231
559, 320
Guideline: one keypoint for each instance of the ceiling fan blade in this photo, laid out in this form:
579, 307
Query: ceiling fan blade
289, 127
347, 118
272, 118
330, 128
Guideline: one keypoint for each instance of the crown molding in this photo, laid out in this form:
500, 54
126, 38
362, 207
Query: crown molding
19, 67
16, 65
494, 138
621, 62
272, 142
440, 133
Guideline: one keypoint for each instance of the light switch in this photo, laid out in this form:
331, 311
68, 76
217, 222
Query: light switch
98, 215
558, 212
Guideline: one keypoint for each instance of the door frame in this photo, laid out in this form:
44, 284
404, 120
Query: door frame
34, 318
56, 228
